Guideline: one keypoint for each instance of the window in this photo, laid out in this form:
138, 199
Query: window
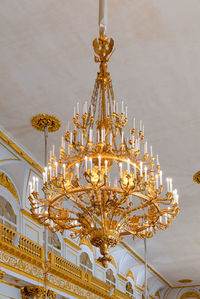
85, 262
129, 289
54, 244
7, 214
110, 277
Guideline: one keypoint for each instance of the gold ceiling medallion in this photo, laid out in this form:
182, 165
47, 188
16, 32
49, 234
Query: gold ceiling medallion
196, 177
185, 280
41, 121
104, 184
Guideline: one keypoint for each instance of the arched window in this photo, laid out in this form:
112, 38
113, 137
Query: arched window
110, 277
54, 244
129, 289
85, 262
7, 214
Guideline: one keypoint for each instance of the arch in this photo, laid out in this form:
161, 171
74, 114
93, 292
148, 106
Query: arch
86, 263
85, 241
129, 289
190, 295
7, 214
110, 277
54, 243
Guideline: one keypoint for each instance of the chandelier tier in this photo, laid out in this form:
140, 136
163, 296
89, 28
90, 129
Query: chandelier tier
105, 184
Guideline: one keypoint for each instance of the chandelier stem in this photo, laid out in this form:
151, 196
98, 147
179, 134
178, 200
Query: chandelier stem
145, 271
45, 228
102, 16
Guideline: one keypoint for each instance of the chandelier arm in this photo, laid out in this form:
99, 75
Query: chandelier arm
83, 208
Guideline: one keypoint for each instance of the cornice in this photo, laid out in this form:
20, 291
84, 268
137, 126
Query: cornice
72, 244
122, 277
29, 215
20, 152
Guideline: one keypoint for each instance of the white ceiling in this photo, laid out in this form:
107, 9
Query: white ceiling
46, 64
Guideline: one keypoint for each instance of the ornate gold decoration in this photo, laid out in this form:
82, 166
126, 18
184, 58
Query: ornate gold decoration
37, 292
157, 294
81, 192
190, 295
19, 151
196, 177
2, 273
186, 280
41, 121
6, 182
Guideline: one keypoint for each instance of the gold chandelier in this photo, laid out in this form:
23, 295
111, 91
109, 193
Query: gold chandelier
105, 184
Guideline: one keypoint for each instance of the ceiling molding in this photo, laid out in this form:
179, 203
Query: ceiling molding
20, 152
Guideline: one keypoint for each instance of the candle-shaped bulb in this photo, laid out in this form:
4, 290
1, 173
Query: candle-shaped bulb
99, 159
122, 107
63, 143
167, 179
156, 181
157, 160
128, 166
36, 183
30, 188
86, 163
56, 167
90, 135
53, 150
170, 185
135, 170
111, 137
77, 170
141, 169
50, 172
44, 177
120, 169
46, 174
106, 167
151, 151
70, 137
145, 173
74, 111
77, 108
117, 107
64, 167
145, 148
126, 115
122, 137
161, 177
140, 125
90, 159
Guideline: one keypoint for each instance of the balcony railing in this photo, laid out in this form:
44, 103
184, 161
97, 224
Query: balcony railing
13, 238
17, 244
